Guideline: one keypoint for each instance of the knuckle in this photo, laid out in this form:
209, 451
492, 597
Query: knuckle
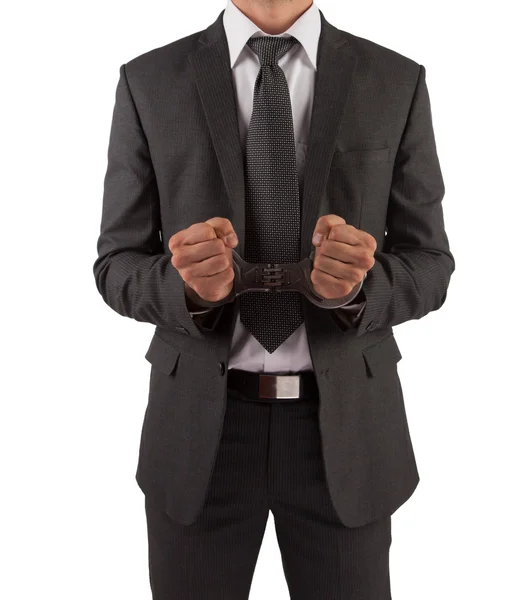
371, 241
346, 271
175, 257
214, 246
333, 218
323, 220
348, 275
326, 246
194, 228
359, 275
369, 262
173, 240
317, 278
352, 276
222, 261
207, 231
346, 288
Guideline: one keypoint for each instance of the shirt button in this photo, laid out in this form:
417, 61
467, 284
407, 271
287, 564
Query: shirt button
222, 368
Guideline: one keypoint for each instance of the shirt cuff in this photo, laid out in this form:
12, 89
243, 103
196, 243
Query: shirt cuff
356, 308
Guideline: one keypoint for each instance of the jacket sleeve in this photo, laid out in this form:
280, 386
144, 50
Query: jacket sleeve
412, 272
133, 273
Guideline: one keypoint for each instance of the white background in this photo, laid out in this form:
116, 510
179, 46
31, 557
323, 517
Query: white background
74, 378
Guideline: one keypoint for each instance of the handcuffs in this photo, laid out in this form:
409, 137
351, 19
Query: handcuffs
277, 277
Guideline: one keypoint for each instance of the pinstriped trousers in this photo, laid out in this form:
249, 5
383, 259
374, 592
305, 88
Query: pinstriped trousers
269, 459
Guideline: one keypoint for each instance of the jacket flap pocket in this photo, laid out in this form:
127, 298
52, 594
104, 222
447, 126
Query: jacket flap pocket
364, 156
381, 355
162, 356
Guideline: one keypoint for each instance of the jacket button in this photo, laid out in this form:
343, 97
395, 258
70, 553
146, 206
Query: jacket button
222, 368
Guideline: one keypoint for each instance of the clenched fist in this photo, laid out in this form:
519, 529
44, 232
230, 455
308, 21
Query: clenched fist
343, 256
203, 256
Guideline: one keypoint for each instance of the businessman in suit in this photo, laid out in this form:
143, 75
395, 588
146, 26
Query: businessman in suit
274, 134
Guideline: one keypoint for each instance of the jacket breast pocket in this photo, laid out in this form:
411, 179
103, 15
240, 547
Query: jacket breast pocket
344, 158
162, 355
382, 357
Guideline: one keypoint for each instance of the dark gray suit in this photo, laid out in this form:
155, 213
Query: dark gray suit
175, 159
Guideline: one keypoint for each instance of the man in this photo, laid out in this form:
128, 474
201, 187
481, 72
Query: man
272, 134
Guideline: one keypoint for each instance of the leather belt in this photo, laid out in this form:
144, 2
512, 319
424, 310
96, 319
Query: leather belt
268, 386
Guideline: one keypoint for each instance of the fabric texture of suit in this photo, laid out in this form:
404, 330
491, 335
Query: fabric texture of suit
269, 461
174, 159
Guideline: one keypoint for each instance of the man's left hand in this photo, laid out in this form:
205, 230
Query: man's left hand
343, 255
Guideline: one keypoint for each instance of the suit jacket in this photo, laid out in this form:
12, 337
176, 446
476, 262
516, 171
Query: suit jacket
174, 159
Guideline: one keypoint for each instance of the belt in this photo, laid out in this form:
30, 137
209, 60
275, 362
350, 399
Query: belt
268, 386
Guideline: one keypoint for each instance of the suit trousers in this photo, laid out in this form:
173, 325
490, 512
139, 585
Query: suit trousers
269, 459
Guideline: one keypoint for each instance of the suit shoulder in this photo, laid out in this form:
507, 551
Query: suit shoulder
382, 58
163, 57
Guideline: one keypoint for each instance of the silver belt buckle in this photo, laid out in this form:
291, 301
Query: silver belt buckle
279, 386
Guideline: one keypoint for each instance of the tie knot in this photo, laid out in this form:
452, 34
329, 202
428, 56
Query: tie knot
271, 48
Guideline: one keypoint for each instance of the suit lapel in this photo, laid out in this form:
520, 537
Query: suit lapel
213, 75
335, 64
211, 67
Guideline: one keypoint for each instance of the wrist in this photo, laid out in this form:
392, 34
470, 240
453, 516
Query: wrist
195, 302
190, 299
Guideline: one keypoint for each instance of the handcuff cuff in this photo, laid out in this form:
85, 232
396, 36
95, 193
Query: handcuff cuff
277, 277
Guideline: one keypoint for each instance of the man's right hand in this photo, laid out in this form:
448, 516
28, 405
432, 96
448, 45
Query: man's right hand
202, 254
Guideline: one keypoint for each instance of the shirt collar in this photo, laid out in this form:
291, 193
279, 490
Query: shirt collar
239, 29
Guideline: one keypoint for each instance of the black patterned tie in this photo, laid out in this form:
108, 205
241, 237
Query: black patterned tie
272, 204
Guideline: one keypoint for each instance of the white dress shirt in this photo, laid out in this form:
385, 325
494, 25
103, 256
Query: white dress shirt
299, 67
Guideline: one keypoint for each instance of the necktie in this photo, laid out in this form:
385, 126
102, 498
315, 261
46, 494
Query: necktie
272, 203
